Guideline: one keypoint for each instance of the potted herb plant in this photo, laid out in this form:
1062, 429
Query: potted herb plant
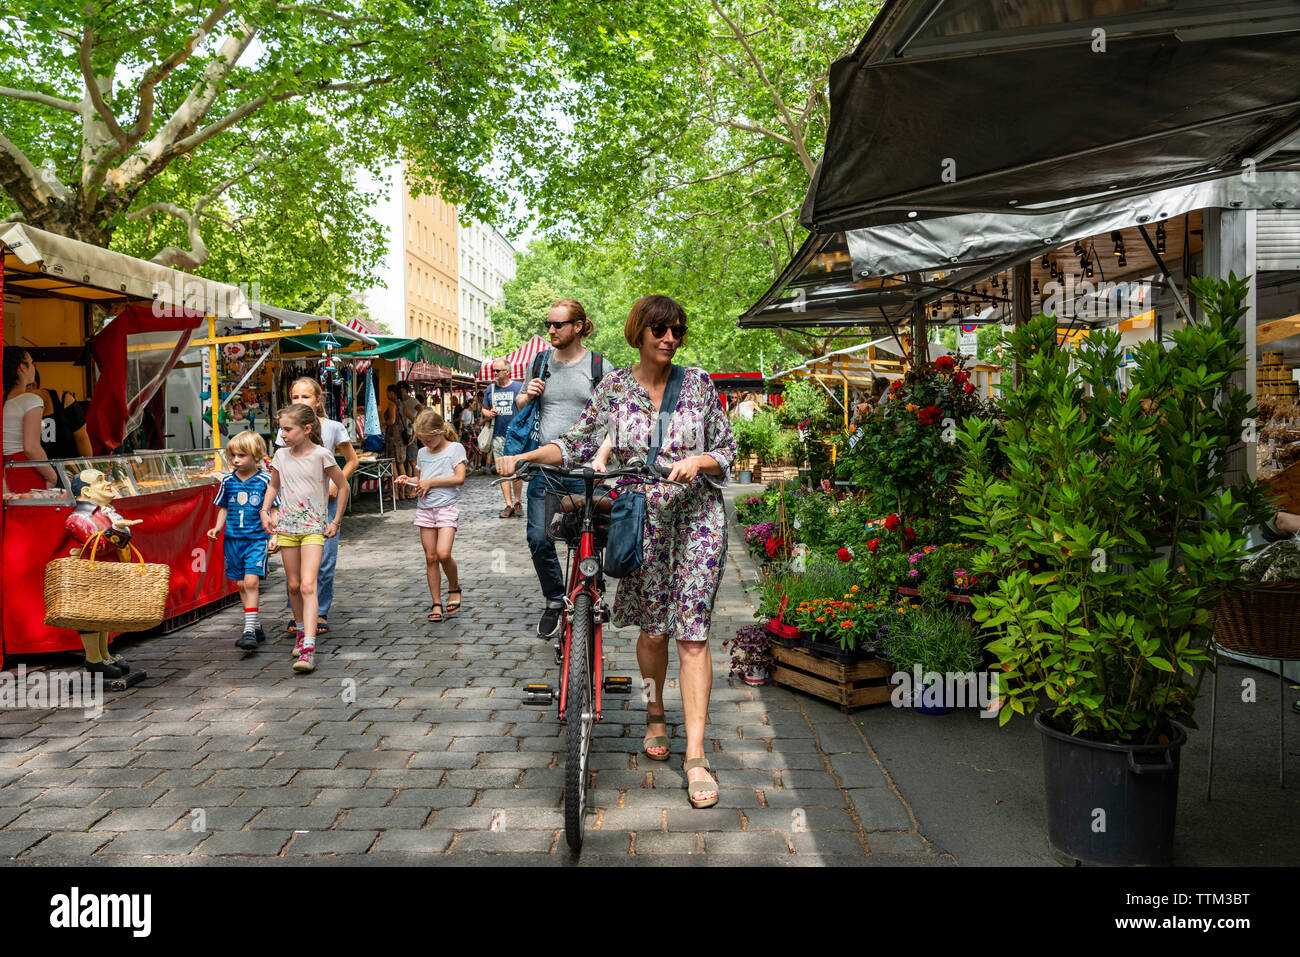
1113, 530
751, 654
936, 649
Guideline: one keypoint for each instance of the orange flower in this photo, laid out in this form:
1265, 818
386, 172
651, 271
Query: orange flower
846, 624
854, 589
821, 618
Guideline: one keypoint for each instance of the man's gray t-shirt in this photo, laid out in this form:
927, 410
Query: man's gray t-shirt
568, 390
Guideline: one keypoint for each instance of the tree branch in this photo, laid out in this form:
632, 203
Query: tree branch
764, 131
800, 149
45, 99
198, 252
155, 154
32, 193
156, 74
92, 83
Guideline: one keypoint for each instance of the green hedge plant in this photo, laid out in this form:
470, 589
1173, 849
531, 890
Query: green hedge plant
1117, 522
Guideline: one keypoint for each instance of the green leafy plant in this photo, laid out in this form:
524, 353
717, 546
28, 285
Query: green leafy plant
935, 639
904, 451
1117, 522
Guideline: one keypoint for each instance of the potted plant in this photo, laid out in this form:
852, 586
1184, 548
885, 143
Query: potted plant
751, 654
936, 649
1111, 534
746, 433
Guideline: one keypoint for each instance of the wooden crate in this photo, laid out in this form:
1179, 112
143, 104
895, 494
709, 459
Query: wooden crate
849, 686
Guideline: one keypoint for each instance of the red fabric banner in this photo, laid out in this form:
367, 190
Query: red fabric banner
109, 411
172, 533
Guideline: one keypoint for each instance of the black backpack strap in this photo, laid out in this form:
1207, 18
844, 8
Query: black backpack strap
537, 365
672, 392
596, 374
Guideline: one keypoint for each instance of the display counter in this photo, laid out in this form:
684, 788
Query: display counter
171, 492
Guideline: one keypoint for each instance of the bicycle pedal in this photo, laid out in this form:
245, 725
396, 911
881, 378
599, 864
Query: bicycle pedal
617, 684
539, 694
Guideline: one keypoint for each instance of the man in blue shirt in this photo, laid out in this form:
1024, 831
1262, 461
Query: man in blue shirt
499, 406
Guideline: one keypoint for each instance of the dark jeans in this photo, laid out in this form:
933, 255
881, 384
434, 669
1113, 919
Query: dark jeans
549, 572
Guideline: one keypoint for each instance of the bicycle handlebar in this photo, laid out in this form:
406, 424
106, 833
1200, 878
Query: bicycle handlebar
652, 473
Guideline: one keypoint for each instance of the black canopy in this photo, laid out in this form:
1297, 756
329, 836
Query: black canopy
994, 105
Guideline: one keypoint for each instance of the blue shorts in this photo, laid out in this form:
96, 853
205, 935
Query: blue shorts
245, 556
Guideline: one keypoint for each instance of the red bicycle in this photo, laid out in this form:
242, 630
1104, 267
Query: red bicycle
581, 520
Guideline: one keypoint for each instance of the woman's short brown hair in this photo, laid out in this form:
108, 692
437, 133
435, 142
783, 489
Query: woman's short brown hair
576, 314
649, 310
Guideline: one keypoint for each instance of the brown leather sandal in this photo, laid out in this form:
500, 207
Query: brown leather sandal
659, 741
700, 787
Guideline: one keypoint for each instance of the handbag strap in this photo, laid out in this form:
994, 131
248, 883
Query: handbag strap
672, 392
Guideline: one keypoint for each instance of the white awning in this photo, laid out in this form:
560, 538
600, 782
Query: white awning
49, 264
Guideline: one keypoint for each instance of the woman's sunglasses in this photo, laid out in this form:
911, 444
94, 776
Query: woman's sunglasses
660, 329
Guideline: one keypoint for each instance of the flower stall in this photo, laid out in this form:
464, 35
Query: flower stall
864, 581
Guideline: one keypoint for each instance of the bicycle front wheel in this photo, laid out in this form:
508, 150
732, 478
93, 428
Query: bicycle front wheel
579, 719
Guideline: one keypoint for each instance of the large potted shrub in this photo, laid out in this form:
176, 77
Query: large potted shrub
1111, 532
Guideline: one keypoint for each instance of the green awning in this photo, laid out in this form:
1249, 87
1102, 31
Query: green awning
394, 347
314, 342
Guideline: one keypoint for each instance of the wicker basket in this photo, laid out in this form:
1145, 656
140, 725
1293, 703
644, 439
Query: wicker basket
1263, 620
89, 595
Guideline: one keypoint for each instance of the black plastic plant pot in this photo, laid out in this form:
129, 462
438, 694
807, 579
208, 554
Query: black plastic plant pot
1110, 804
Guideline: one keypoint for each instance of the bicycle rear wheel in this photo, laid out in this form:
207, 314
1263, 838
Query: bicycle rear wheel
579, 719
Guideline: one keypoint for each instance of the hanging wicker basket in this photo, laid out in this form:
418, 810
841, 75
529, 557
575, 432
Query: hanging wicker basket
86, 594
1262, 620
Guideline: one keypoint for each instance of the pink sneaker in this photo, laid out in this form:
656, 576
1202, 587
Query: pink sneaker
297, 647
306, 661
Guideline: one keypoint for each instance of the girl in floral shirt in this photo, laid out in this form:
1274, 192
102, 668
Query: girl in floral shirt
671, 595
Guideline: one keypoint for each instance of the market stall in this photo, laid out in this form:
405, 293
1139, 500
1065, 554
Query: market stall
520, 360
76, 309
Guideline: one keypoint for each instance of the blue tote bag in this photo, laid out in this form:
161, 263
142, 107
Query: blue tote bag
627, 514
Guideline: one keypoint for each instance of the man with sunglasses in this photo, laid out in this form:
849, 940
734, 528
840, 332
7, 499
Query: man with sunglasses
499, 409
562, 381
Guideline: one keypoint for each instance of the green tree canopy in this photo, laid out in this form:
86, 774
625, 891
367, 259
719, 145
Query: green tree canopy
225, 135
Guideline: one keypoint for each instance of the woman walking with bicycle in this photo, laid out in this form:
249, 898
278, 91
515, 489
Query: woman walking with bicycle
671, 594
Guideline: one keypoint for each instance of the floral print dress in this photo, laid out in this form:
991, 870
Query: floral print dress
685, 542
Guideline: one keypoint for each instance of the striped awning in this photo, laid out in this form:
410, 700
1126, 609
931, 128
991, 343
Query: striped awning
520, 360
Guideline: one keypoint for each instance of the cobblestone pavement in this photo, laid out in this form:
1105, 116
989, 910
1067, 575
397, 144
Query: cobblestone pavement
410, 743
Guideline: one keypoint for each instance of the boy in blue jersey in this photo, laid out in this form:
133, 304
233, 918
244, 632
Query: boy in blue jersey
246, 545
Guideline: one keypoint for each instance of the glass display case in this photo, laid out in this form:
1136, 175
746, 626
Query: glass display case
139, 473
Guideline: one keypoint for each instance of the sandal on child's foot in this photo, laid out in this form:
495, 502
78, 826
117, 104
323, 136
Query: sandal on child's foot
659, 742
435, 615
453, 605
700, 787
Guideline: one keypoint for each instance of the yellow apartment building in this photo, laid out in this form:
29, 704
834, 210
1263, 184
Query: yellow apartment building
432, 296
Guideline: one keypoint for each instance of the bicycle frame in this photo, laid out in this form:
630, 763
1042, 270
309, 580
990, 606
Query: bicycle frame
577, 583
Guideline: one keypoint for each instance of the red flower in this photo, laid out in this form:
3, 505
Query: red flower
910, 535
873, 544
844, 555
962, 375
898, 384
774, 545
944, 363
929, 415
969, 388
892, 521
